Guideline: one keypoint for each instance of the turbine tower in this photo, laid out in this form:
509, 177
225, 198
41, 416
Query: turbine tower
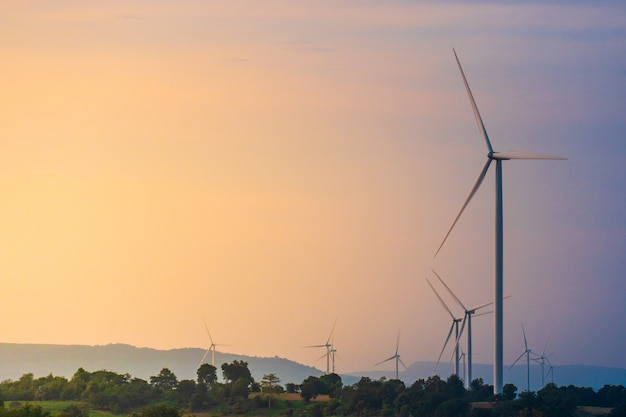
526, 352
498, 157
454, 326
467, 319
396, 356
328, 345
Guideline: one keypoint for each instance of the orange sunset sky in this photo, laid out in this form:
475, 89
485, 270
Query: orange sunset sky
275, 169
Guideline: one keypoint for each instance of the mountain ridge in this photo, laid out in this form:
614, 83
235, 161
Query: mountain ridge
17, 359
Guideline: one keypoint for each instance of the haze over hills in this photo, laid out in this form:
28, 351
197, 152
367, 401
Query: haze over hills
64, 360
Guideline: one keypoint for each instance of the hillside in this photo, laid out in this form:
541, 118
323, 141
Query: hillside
64, 360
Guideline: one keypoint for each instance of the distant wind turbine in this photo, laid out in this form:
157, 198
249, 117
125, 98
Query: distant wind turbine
328, 345
498, 157
396, 356
541, 360
467, 319
453, 327
333, 352
210, 349
526, 352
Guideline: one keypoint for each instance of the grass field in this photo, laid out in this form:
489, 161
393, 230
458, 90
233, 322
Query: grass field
56, 407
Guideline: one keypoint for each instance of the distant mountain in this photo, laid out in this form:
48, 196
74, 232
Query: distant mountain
578, 375
64, 360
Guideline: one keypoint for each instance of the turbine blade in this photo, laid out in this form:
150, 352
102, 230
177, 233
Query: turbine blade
481, 306
518, 358
462, 328
524, 155
477, 183
203, 358
524, 333
483, 314
386, 360
479, 120
314, 346
545, 347
332, 331
400, 360
207, 331
398, 343
440, 300
445, 344
449, 290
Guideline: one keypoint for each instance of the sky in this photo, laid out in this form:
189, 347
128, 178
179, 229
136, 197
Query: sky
278, 170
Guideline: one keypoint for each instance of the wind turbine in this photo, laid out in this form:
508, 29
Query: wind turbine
526, 352
332, 352
498, 157
454, 326
396, 356
328, 345
541, 360
210, 349
467, 319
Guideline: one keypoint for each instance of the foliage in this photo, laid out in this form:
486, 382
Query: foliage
159, 411
165, 380
207, 374
432, 397
237, 370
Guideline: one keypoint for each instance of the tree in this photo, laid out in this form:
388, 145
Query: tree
309, 389
207, 374
185, 390
509, 392
165, 380
237, 370
158, 411
269, 385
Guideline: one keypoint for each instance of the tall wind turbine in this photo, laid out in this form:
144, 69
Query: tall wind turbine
467, 319
210, 349
453, 327
396, 356
328, 345
526, 352
498, 157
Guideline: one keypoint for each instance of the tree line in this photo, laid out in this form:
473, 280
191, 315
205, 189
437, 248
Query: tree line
431, 397
111, 391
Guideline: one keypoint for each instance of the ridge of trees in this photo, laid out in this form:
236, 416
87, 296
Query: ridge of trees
431, 397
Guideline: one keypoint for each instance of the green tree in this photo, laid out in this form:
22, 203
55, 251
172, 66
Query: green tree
292, 388
269, 386
509, 392
207, 374
185, 390
309, 389
237, 370
159, 411
165, 380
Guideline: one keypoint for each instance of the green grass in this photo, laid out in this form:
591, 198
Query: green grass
54, 407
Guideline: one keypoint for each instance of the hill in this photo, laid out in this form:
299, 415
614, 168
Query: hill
578, 375
64, 360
